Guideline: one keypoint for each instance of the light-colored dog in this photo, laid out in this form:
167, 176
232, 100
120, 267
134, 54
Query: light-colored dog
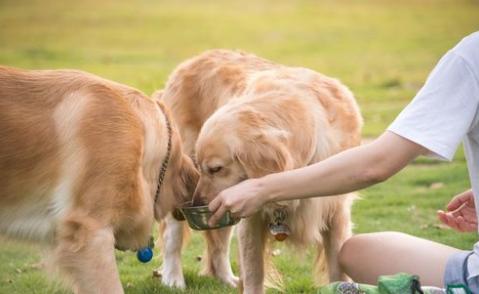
80, 161
244, 117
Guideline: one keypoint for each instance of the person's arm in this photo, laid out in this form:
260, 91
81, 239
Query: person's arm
347, 171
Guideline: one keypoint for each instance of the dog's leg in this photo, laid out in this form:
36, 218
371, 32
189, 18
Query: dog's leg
86, 255
251, 235
217, 259
338, 232
171, 271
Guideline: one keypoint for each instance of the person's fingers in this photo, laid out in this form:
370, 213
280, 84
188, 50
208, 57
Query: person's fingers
217, 215
461, 224
459, 210
441, 215
469, 224
466, 226
445, 217
215, 204
455, 203
458, 223
459, 200
451, 221
472, 227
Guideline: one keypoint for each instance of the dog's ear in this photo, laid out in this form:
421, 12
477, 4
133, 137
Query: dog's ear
265, 153
189, 176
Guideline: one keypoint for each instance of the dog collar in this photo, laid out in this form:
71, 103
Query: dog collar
145, 254
164, 164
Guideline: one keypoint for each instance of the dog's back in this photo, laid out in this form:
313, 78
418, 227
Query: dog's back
200, 85
203, 84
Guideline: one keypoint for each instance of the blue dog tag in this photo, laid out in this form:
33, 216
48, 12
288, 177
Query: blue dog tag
145, 254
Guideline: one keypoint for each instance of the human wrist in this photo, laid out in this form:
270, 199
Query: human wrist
267, 188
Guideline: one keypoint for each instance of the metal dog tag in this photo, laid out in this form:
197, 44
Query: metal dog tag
278, 228
279, 231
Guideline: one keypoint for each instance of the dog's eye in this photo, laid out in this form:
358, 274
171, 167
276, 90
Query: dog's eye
213, 170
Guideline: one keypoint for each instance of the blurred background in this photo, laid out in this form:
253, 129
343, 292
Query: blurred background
383, 50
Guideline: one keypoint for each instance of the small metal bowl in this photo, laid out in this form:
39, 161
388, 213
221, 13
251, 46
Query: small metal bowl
198, 216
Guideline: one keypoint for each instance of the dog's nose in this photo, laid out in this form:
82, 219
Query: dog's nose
199, 198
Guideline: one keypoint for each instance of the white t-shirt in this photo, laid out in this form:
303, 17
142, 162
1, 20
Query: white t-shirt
445, 112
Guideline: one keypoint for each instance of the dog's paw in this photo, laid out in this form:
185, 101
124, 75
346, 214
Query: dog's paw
174, 281
227, 278
230, 280
170, 278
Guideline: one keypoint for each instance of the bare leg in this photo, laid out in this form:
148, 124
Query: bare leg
338, 232
171, 271
87, 256
251, 236
217, 259
365, 257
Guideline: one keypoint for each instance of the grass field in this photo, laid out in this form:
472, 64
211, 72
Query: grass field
383, 50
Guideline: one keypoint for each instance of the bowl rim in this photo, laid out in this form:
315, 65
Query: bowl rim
190, 211
196, 209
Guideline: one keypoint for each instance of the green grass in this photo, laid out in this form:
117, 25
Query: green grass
383, 50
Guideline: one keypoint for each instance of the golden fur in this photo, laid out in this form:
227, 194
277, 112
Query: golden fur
242, 117
79, 164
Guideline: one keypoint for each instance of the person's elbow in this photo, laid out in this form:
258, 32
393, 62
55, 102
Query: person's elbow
386, 156
378, 166
375, 175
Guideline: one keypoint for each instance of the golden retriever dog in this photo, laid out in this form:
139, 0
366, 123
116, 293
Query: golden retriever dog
86, 165
240, 117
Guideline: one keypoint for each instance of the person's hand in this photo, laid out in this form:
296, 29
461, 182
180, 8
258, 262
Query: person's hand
241, 200
461, 213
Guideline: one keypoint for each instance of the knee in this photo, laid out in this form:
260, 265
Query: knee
351, 251
356, 249
347, 253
